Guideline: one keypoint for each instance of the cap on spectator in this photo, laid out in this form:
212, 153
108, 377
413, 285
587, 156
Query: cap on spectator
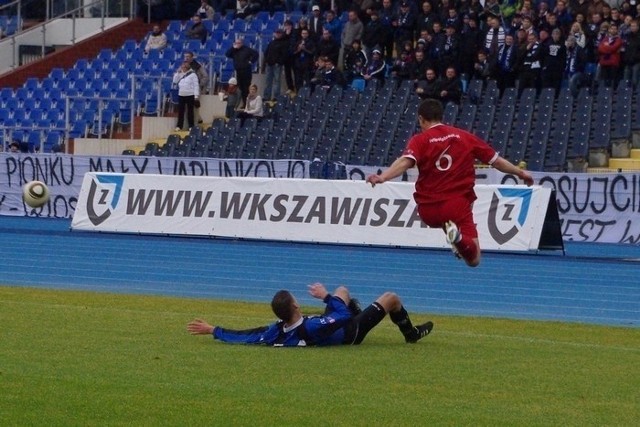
233, 81
374, 12
279, 31
377, 51
288, 22
315, 7
404, 4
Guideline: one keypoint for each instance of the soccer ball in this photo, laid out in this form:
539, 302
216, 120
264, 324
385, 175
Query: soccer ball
35, 193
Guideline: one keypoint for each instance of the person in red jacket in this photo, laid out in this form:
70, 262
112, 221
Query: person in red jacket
609, 56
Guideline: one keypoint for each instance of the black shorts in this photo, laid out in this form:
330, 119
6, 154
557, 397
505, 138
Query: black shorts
360, 325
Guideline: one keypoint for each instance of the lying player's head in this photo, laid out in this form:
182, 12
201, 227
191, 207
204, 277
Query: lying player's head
431, 110
283, 305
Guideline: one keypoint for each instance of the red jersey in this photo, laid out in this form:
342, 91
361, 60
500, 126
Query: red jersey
445, 157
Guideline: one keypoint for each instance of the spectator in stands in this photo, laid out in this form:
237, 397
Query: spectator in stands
418, 66
404, 25
450, 51
554, 61
401, 68
354, 62
318, 72
253, 106
436, 45
609, 60
578, 33
333, 24
506, 67
331, 76
304, 54
445, 157
232, 97
631, 54
494, 37
565, 19
14, 147
387, 16
531, 63
205, 11
579, 7
203, 79
351, 31
426, 18
245, 9
275, 57
428, 86
450, 87
327, 46
200, 69
373, 34
197, 30
157, 40
469, 45
291, 36
375, 68
244, 57
575, 65
316, 23
343, 322
482, 68
188, 94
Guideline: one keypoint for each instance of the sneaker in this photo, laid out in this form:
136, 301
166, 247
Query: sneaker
452, 232
354, 307
419, 332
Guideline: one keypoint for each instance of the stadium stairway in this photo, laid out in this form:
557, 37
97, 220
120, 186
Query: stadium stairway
631, 163
112, 38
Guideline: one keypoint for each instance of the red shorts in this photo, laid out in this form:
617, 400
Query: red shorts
458, 210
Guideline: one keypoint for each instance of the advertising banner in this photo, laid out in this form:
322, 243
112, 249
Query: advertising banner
349, 212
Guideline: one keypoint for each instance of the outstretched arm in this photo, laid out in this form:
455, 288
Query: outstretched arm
505, 166
397, 168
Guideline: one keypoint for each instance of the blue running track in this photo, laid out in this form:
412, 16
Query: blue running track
598, 284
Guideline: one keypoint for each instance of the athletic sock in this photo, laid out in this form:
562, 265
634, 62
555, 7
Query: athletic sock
467, 248
401, 318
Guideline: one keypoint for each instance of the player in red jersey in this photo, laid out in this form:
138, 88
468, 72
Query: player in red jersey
445, 157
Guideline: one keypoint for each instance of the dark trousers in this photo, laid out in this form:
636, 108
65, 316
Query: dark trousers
244, 81
288, 75
186, 102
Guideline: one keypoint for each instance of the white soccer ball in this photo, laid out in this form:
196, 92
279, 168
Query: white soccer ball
35, 193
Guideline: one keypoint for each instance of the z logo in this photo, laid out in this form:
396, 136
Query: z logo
509, 215
99, 197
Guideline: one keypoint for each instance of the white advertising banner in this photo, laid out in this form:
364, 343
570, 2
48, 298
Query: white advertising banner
351, 212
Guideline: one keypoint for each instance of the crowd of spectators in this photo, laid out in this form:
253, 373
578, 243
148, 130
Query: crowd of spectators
545, 43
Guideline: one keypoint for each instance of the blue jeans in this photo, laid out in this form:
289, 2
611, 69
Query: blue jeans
272, 82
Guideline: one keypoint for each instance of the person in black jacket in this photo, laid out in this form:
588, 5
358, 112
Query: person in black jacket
243, 59
631, 56
554, 61
531, 65
303, 59
450, 86
274, 58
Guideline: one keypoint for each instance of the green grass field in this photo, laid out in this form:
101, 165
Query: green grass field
79, 358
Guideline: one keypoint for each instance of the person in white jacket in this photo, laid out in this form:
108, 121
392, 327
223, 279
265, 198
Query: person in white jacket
253, 106
188, 85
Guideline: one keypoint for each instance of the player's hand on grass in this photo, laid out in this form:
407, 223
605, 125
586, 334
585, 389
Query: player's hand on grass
199, 327
317, 290
374, 179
